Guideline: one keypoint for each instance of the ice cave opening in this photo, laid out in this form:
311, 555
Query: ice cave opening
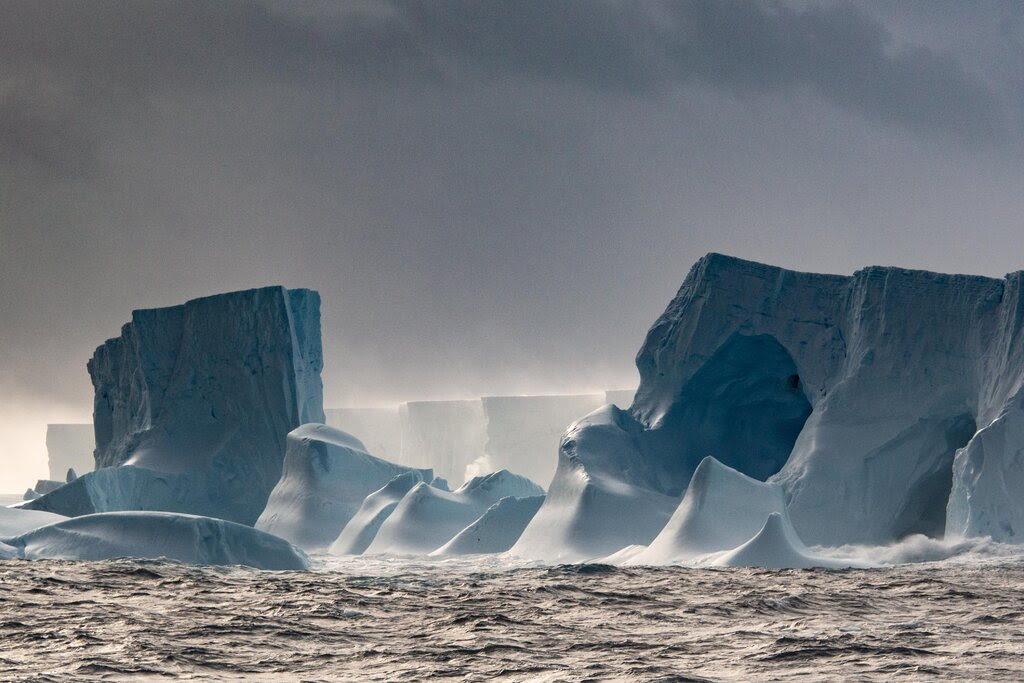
745, 406
924, 509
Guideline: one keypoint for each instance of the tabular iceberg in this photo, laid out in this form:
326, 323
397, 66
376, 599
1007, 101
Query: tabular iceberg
205, 392
443, 435
427, 518
327, 474
523, 431
853, 393
185, 538
69, 446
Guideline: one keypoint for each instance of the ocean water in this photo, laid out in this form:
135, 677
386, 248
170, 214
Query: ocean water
365, 620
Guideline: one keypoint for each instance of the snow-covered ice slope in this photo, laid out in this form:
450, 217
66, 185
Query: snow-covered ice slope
604, 496
209, 389
16, 521
327, 474
496, 530
523, 431
185, 538
69, 446
443, 435
854, 393
375, 508
722, 509
380, 429
427, 518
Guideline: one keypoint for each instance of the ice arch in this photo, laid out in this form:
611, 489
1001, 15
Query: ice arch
745, 406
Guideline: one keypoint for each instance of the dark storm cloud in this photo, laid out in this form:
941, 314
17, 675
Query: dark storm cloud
97, 56
490, 196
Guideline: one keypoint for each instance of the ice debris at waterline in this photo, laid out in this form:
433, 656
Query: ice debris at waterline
185, 538
327, 474
198, 398
885, 404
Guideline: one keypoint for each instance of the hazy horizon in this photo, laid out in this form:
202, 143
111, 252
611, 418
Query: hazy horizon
491, 198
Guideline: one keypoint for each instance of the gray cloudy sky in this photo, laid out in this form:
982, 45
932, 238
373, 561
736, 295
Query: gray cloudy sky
490, 196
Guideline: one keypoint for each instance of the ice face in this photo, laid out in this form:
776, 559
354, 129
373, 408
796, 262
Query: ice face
443, 435
185, 538
862, 389
70, 446
208, 390
327, 474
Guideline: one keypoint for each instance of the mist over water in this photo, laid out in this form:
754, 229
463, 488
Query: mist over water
364, 619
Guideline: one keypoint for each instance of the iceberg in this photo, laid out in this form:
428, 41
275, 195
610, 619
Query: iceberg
860, 396
186, 538
722, 509
327, 474
205, 392
603, 497
443, 435
427, 518
69, 446
355, 538
496, 530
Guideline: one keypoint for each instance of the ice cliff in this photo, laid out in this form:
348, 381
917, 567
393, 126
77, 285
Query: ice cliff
860, 396
197, 400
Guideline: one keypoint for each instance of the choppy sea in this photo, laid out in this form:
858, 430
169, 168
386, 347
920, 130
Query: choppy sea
367, 620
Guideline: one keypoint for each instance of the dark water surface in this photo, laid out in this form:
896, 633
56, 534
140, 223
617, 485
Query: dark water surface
138, 620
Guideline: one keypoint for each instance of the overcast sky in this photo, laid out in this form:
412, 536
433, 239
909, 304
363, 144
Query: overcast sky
490, 197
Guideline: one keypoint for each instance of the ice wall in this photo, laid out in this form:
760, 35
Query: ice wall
860, 388
379, 429
443, 435
207, 390
70, 446
523, 431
